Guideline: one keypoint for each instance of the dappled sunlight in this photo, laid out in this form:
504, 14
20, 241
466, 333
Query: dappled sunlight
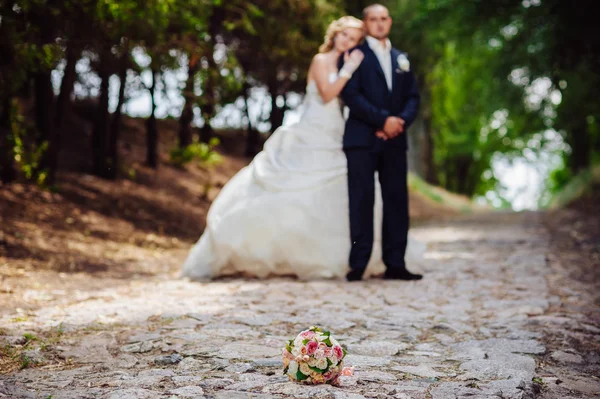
122, 122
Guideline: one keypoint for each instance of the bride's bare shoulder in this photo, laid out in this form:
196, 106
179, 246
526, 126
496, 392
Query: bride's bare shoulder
319, 59
319, 62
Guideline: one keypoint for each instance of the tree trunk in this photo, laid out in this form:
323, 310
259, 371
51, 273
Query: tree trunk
50, 159
7, 168
151, 130
208, 107
429, 172
463, 165
580, 143
252, 134
115, 125
44, 98
187, 115
209, 102
277, 113
99, 134
44, 101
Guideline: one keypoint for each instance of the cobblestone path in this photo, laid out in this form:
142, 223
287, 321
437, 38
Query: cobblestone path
475, 327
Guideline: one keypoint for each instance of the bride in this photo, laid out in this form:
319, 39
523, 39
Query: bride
286, 213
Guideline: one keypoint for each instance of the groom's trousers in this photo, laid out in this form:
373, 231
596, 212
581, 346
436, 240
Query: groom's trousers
391, 165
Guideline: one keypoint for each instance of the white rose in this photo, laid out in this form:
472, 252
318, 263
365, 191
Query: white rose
293, 368
304, 369
296, 351
333, 360
322, 364
403, 63
313, 362
319, 354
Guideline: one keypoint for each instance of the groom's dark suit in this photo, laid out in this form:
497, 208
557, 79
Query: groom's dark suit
371, 102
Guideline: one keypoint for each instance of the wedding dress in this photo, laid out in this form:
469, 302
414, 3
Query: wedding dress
286, 213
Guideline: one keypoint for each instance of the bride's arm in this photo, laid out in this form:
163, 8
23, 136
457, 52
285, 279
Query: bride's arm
320, 74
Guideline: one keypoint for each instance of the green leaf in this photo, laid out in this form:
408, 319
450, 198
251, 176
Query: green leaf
289, 345
318, 370
328, 342
300, 376
306, 341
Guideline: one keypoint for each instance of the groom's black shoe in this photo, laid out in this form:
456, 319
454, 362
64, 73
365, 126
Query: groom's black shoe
401, 274
354, 275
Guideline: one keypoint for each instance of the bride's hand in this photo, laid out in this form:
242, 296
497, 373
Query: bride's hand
352, 61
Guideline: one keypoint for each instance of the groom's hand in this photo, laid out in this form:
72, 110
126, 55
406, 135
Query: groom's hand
392, 128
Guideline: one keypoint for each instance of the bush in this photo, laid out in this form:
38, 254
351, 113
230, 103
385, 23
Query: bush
202, 153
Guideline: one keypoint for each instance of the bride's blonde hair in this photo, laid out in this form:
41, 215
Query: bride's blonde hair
336, 27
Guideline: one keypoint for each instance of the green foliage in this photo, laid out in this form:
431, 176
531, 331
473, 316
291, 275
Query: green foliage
300, 376
565, 188
439, 195
558, 179
538, 380
202, 153
25, 362
278, 51
30, 337
476, 64
26, 151
521, 44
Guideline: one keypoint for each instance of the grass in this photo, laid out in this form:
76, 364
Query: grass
576, 188
30, 337
439, 196
25, 362
538, 380
12, 357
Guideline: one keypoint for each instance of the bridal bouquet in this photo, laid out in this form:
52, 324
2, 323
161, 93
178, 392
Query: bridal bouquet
313, 357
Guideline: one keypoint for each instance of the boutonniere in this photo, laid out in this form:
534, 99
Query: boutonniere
403, 63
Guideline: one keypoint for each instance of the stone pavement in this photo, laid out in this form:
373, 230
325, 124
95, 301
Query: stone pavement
474, 327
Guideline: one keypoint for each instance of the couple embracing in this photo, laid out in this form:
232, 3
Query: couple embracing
327, 197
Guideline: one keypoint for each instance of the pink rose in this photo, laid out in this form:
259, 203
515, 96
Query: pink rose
311, 347
328, 375
348, 371
338, 352
328, 352
307, 334
287, 354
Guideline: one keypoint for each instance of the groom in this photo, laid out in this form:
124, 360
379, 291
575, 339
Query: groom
383, 100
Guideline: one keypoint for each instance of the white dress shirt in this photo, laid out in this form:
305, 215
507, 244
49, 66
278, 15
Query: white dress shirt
384, 55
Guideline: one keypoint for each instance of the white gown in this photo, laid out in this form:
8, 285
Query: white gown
286, 213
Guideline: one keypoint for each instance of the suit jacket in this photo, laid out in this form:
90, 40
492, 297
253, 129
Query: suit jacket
370, 102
